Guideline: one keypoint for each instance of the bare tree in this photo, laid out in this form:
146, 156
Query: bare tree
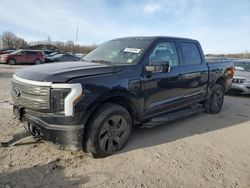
69, 46
8, 39
20, 43
59, 45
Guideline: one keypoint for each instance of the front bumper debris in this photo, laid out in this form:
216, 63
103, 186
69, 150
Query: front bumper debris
67, 137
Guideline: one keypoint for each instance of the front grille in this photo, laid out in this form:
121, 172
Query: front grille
238, 80
31, 96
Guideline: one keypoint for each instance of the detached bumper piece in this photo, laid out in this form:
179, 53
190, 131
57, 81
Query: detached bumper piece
67, 137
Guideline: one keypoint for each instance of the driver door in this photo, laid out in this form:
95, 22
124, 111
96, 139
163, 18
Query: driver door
163, 91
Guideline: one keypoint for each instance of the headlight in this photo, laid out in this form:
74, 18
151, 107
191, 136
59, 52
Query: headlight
57, 99
64, 96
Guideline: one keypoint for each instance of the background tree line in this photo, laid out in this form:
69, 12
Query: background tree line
245, 55
9, 40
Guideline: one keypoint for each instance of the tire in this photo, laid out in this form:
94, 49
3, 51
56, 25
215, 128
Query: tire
108, 130
214, 104
37, 62
11, 61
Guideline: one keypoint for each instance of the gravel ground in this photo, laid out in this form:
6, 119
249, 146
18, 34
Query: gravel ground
200, 151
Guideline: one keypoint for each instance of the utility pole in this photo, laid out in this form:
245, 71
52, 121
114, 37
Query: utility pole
76, 34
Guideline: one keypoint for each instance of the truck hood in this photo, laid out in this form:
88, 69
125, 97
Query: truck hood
242, 74
62, 72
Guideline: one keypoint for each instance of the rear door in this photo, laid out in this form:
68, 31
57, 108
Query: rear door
30, 57
194, 70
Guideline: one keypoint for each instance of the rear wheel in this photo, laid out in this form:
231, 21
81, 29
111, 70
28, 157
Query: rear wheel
11, 61
214, 104
108, 130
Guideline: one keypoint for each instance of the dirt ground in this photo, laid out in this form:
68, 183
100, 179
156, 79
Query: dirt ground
200, 151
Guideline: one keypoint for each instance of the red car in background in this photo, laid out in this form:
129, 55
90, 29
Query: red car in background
22, 56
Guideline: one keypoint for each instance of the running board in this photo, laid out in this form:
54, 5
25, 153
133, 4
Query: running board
163, 119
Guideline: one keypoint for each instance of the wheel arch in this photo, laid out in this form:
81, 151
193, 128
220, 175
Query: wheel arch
221, 81
121, 99
34, 62
11, 58
124, 102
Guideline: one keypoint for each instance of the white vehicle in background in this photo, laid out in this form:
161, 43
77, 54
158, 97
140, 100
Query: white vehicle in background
241, 80
63, 58
80, 55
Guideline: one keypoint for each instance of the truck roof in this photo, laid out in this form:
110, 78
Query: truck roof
153, 38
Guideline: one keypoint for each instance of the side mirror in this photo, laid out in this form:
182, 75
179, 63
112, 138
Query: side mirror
158, 67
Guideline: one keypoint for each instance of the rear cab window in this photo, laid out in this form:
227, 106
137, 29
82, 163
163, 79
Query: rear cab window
190, 53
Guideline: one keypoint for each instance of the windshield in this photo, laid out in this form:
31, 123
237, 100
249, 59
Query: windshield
120, 51
242, 66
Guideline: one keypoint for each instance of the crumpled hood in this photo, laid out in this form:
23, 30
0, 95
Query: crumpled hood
62, 72
242, 74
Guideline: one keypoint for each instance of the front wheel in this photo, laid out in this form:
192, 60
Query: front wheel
214, 104
108, 130
11, 61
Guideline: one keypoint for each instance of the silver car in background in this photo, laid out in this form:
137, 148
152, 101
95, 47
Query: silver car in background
241, 80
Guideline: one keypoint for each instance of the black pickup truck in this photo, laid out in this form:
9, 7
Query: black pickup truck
137, 81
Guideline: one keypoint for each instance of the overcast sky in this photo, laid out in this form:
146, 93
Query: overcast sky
222, 26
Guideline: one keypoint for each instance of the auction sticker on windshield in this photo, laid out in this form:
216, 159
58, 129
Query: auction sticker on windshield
132, 50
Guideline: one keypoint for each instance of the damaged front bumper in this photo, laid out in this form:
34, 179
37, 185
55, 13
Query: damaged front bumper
68, 136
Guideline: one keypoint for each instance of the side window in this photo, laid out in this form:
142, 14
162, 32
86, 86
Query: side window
164, 52
29, 53
190, 53
23, 53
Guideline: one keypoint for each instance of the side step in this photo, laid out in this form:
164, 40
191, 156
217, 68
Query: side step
163, 119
